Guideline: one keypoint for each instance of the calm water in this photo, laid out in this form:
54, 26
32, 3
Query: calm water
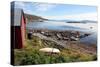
92, 39
61, 26
83, 27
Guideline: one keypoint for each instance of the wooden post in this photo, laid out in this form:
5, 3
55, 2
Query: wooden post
78, 36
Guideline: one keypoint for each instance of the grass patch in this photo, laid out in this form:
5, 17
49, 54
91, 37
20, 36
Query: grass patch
30, 53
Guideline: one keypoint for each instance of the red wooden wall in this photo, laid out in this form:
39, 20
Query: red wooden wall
19, 34
23, 30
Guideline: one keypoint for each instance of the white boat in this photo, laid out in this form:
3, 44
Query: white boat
50, 50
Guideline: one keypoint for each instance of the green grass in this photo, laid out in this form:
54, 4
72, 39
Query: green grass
30, 53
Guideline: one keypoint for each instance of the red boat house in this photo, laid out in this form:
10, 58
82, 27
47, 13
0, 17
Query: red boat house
18, 25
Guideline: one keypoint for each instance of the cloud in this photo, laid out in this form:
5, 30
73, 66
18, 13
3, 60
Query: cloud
29, 7
43, 7
84, 16
32, 8
25, 6
19, 4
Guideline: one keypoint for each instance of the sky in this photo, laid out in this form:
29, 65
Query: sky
59, 11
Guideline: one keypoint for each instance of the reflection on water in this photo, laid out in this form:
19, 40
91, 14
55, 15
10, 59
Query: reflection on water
92, 39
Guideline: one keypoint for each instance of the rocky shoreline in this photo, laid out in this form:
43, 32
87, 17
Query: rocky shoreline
67, 39
61, 35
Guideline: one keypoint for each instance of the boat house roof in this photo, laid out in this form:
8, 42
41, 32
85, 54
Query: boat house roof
16, 16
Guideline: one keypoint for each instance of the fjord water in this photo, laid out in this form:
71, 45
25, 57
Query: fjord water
85, 27
82, 27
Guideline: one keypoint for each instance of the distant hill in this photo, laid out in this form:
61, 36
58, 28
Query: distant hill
73, 22
34, 18
83, 21
88, 21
